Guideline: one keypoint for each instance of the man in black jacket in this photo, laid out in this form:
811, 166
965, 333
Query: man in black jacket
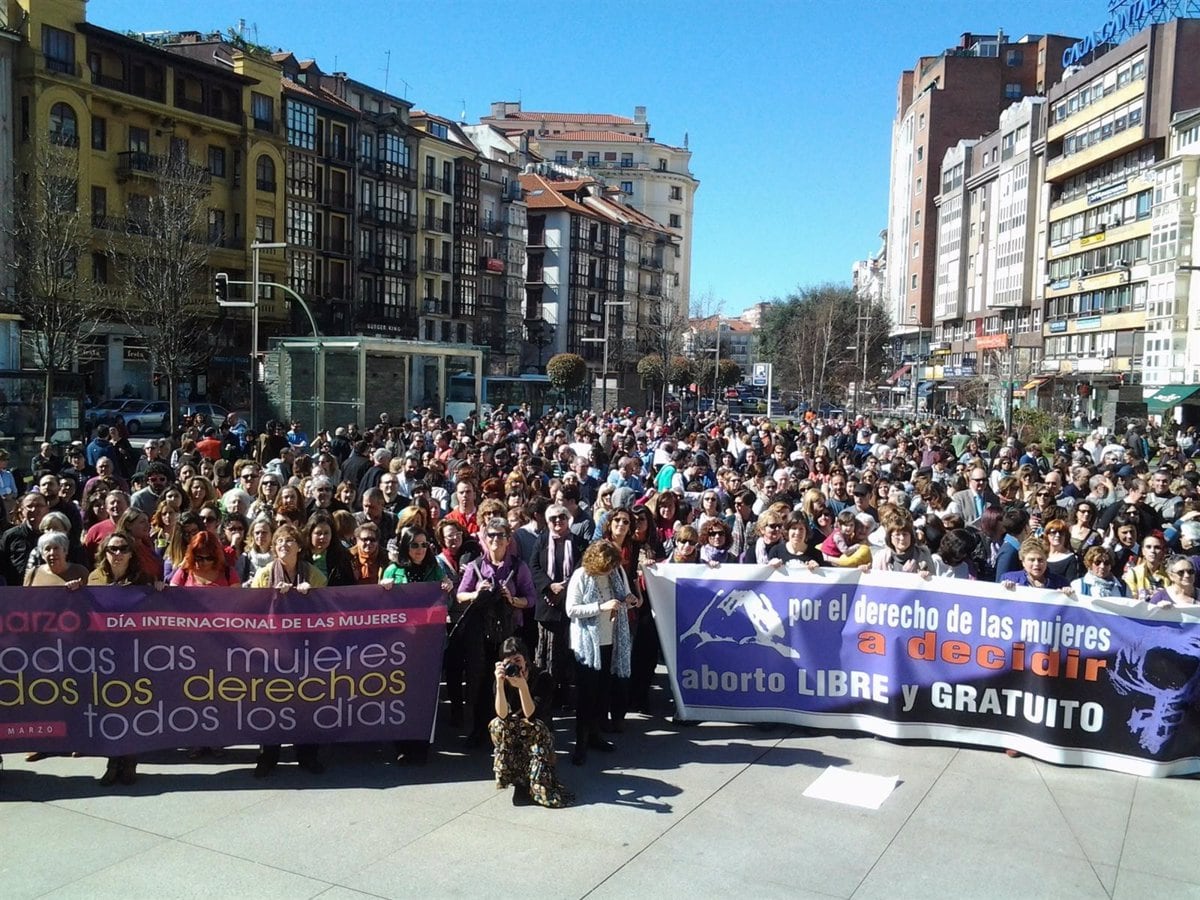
18, 542
556, 555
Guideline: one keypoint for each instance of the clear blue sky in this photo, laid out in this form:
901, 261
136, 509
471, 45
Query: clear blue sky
787, 105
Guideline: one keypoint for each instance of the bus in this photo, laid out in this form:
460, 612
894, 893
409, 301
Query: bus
499, 392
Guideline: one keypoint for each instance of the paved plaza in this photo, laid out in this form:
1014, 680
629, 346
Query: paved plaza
698, 811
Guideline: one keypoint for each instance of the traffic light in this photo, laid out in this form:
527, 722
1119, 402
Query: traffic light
221, 287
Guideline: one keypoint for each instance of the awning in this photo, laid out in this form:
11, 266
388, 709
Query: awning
1034, 383
924, 388
1166, 398
898, 374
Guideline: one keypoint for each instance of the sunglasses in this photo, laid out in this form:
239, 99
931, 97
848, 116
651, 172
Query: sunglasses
368, 540
117, 550
496, 536
422, 545
208, 519
204, 559
558, 518
1183, 573
621, 521
687, 542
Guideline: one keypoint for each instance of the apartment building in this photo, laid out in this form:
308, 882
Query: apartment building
121, 106
597, 270
1109, 124
655, 178
943, 99
513, 345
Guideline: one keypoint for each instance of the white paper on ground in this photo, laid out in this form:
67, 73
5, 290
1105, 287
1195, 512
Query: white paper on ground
852, 788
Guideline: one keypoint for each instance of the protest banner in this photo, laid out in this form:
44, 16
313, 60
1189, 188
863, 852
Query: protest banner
1091, 682
118, 670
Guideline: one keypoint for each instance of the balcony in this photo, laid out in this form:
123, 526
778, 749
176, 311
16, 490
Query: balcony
267, 187
492, 226
370, 262
437, 264
536, 239
367, 212
393, 170
335, 289
339, 201
156, 91
338, 245
492, 303
61, 66
135, 163
338, 154
432, 306
210, 109
266, 125
396, 218
433, 183
650, 262
220, 241
398, 265
436, 223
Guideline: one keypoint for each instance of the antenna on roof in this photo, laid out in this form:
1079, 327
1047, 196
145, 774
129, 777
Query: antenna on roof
387, 68
463, 118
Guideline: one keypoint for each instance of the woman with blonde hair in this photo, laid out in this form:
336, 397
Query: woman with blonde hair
598, 600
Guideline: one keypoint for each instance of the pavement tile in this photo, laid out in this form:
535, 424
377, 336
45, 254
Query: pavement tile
660, 873
331, 834
919, 866
1162, 830
1134, 885
1017, 813
46, 848
178, 870
468, 855
1092, 782
741, 835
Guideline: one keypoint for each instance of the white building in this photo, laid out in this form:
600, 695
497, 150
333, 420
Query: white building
655, 178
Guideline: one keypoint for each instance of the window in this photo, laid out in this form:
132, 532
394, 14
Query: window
63, 125
264, 174
262, 110
662, 163
920, 153
676, 193
139, 140
301, 125
1012, 91
627, 187
917, 217
216, 226
264, 229
99, 133
593, 159
627, 161
560, 157
58, 49
675, 220
100, 268
914, 282
921, 122
1012, 58
916, 249
99, 206
216, 161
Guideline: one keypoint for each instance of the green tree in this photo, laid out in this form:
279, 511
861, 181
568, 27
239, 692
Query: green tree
567, 371
814, 339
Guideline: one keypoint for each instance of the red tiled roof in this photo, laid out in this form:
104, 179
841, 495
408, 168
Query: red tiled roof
543, 194
589, 118
594, 136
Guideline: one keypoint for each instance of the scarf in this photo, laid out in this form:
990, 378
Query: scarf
588, 652
278, 574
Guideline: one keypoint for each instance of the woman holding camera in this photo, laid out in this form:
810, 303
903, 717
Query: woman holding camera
521, 733
598, 597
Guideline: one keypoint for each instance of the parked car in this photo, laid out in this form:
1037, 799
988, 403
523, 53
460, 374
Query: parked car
216, 414
106, 412
149, 416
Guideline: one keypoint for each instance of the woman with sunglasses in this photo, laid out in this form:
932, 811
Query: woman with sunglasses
267, 497
1083, 533
1098, 580
1061, 560
770, 532
686, 547
1180, 589
715, 543
498, 586
118, 563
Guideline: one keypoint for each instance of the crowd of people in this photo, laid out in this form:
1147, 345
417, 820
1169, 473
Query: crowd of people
539, 531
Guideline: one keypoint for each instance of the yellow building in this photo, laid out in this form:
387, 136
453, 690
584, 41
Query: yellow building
125, 105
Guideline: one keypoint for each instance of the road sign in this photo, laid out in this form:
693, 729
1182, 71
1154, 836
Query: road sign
760, 374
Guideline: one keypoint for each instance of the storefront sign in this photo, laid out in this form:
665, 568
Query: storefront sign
1126, 19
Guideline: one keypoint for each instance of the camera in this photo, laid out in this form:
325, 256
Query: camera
511, 670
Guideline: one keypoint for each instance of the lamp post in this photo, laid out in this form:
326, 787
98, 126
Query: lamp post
717, 366
604, 341
255, 249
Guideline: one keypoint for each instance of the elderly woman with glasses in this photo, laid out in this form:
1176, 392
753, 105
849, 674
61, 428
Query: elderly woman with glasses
1180, 589
498, 586
1098, 580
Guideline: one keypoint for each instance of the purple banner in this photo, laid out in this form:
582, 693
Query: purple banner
1097, 683
109, 671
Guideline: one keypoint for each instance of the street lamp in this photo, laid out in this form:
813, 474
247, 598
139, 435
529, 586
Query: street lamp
604, 341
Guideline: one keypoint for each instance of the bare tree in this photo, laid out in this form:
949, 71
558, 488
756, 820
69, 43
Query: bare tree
162, 261
662, 336
52, 286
